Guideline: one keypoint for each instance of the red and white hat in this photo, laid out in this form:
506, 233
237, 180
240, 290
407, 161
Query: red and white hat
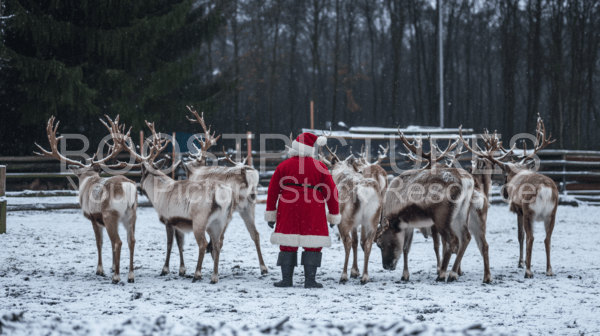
304, 144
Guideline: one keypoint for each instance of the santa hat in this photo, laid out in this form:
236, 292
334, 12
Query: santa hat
304, 144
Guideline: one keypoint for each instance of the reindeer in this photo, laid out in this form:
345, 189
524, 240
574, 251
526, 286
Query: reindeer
444, 197
104, 201
532, 196
482, 167
360, 205
184, 205
242, 179
373, 170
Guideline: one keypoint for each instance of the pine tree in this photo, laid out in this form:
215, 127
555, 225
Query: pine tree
80, 59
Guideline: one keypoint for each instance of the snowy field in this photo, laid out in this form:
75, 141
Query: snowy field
48, 263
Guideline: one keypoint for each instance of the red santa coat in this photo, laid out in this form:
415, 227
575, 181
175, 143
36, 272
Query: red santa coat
303, 186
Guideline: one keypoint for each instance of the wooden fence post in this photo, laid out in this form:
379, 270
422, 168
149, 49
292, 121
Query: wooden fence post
173, 156
249, 142
2, 199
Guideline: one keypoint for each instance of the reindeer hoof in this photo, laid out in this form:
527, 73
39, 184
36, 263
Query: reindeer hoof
100, 273
364, 282
130, 280
549, 273
196, 279
343, 281
521, 264
528, 275
163, 273
487, 281
440, 279
403, 278
354, 275
115, 282
182, 274
264, 271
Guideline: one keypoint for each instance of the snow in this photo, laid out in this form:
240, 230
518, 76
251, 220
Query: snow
49, 262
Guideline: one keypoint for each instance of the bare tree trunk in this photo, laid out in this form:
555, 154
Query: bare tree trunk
272, 79
369, 8
509, 28
236, 61
556, 70
336, 59
293, 82
317, 6
534, 73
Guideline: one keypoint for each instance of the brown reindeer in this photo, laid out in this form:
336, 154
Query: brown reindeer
186, 205
104, 201
532, 196
360, 206
434, 195
242, 179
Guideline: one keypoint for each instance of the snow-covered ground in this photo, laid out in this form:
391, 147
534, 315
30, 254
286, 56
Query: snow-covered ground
48, 263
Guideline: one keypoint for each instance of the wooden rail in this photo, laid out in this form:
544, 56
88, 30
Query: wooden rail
2, 199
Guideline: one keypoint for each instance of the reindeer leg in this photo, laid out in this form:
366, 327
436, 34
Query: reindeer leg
111, 222
99, 240
461, 251
200, 235
179, 237
343, 228
528, 226
216, 253
170, 231
405, 245
247, 215
436, 247
549, 225
367, 239
354, 272
130, 225
521, 232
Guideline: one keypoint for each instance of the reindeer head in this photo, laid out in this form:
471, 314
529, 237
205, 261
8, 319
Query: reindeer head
389, 244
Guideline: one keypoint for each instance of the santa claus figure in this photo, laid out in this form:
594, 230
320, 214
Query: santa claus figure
298, 192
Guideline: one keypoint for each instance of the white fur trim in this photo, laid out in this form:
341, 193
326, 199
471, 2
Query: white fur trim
321, 141
271, 216
334, 219
303, 149
296, 240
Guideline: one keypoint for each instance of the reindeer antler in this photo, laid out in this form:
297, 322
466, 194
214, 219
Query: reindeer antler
228, 159
382, 155
416, 153
540, 141
156, 145
113, 150
209, 138
492, 145
53, 140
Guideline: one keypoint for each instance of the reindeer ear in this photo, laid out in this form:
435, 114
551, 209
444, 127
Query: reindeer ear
530, 164
159, 164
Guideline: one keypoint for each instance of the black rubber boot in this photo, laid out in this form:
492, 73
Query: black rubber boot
311, 261
287, 261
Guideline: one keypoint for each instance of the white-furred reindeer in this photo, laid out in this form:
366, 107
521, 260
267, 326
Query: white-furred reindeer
242, 179
360, 206
185, 205
106, 202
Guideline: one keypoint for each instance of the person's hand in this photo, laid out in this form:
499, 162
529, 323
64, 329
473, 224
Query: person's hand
271, 224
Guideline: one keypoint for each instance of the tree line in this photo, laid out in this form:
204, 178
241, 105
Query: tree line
255, 65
